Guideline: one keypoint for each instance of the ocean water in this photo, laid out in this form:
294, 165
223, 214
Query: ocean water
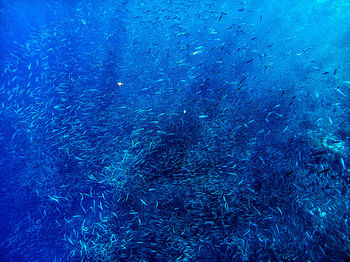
174, 130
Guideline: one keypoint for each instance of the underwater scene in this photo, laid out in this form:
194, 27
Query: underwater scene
174, 130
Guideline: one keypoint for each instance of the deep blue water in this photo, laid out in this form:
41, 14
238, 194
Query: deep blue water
175, 130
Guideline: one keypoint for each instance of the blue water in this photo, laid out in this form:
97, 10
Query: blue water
175, 130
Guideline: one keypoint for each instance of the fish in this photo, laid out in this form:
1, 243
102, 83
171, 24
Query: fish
342, 163
242, 80
143, 202
340, 92
289, 173
324, 171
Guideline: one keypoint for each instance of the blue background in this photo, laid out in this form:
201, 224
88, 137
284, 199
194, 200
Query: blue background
174, 130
